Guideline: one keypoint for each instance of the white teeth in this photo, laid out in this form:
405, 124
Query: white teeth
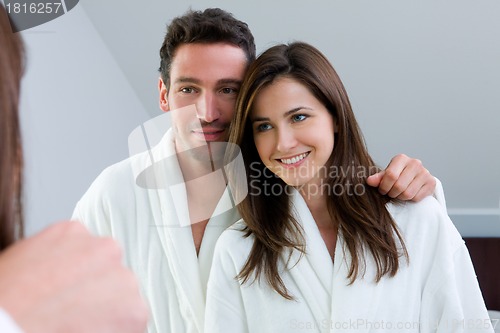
294, 160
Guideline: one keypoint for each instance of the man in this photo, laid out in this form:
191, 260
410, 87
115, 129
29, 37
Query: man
160, 204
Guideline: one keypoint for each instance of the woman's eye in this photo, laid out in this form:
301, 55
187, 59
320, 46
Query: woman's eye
298, 117
263, 127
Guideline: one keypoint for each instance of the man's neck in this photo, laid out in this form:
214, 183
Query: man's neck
205, 185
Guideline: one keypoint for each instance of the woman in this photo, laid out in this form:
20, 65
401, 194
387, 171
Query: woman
318, 250
63, 279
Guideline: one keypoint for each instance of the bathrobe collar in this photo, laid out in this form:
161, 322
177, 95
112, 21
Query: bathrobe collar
190, 271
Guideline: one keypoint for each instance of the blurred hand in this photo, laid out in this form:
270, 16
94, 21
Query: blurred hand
66, 280
404, 178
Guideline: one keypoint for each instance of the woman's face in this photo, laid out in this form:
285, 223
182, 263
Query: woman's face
293, 132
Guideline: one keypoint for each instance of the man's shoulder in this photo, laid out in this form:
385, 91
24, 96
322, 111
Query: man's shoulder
114, 177
111, 199
129, 169
115, 185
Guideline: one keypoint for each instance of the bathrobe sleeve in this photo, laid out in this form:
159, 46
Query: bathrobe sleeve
451, 299
439, 194
454, 303
92, 209
224, 309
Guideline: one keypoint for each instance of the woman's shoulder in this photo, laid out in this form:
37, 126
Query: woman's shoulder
427, 209
235, 241
426, 219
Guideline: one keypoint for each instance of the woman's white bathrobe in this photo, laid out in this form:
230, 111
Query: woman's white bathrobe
142, 203
438, 290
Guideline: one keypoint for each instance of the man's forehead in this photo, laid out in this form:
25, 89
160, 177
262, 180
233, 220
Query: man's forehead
214, 53
208, 63
187, 49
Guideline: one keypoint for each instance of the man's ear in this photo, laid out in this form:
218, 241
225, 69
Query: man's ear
162, 88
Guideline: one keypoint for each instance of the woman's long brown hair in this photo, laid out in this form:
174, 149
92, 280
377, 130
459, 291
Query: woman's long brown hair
362, 220
11, 69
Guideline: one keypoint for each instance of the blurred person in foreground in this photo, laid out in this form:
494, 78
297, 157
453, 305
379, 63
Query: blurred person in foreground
62, 279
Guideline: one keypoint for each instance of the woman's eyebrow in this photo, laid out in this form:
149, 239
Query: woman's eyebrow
286, 114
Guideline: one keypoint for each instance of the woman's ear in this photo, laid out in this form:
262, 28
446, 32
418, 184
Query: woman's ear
162, 88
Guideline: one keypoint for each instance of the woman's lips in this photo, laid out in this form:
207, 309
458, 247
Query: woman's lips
293, 160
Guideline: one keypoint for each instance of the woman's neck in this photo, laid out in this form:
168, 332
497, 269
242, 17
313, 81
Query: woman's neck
317, 204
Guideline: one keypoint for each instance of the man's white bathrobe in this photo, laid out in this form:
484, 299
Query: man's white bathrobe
437, 291
148, 215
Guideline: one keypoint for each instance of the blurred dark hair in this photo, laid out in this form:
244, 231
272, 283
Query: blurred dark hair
11, 163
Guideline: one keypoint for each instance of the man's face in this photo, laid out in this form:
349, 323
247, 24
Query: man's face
206, 77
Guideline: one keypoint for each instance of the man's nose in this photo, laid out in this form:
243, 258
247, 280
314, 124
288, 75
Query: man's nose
207, 109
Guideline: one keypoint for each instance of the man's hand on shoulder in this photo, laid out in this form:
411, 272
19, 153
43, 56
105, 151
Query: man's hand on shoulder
404, 178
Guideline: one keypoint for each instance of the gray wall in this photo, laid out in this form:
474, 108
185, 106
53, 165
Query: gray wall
423, 77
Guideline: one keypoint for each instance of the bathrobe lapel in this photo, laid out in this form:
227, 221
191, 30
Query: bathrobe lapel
190, 272
314, 271
224, 216
164, 180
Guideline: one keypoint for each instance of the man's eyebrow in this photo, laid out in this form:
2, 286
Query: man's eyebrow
187, 79
230, 81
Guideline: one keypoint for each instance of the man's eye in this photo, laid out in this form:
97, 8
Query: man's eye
298, 117
229, 91
263, 127
187, 90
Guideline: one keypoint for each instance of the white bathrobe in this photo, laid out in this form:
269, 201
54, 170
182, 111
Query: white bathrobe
7, 324
149, 216
437, 291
